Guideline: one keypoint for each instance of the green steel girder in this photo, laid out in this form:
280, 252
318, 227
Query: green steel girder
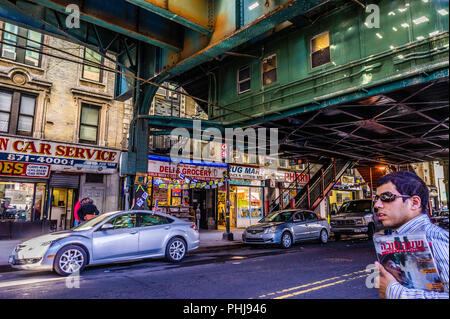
166, 122
125, 18
192, 14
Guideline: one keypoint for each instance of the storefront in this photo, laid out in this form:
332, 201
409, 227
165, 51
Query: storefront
180, 188
42, 181
346, 189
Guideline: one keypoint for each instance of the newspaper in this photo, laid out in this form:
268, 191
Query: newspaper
410, 260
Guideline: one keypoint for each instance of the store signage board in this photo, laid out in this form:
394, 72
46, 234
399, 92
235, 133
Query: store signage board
263, 173
18, 169
173, 170
61, 156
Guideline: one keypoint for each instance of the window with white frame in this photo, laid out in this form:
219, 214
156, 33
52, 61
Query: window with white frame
21, 45
17, 111
244, 79
89, 123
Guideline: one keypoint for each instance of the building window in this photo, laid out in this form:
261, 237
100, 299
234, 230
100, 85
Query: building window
89, 123
16, 39
269, 70
94, 178
320, 50
17, 113
244, 79
90, 72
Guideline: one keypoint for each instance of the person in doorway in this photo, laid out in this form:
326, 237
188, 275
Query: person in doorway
197, 216
88, 210
402, 201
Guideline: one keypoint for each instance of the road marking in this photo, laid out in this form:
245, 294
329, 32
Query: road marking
28, 282
319, 287
316, 283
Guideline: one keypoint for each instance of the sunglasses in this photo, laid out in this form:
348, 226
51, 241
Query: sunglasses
388, 197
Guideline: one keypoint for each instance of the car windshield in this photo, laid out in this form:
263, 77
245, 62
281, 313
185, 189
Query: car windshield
277, 217
356, 207
93, 222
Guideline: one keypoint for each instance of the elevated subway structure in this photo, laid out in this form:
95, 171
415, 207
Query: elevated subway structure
340, 93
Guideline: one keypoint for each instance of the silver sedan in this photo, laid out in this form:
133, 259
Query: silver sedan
108, 238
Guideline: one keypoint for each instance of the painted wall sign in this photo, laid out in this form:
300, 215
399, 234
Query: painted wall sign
61, 156
18, 169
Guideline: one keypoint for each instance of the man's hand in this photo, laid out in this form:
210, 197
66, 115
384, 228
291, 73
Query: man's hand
384, 280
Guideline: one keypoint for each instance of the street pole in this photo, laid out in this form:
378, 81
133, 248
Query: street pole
228, 235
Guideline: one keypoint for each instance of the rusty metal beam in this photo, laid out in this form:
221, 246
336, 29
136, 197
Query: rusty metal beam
127, 19
192, 14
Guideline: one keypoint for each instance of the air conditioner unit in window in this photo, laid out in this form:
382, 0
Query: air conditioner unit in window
9, 54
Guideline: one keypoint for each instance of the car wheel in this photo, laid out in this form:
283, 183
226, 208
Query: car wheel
286, 240
175, 250
337, 237
69, 260
323, 236
371, 231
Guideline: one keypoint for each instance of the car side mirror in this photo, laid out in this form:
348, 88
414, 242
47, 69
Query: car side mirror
107, 226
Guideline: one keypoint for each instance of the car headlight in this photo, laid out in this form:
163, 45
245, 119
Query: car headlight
271, 229
48, 243
333, 222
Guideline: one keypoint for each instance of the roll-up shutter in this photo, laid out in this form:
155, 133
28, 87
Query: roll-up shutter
65, 180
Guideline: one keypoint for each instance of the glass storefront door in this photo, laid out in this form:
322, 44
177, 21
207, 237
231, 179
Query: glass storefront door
249, 202
62, 204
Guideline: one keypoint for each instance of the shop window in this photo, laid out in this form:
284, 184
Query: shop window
89, 123
16, 201
244, 79
90, 72
94, 178
320, 50
269, 70
15, 39
17, 113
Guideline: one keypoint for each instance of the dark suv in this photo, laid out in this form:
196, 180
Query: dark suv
355, 217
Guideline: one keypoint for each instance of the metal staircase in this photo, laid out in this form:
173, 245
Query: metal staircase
318, 186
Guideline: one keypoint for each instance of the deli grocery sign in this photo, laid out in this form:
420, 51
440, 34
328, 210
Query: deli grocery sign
172, 170
61, 156
18, 169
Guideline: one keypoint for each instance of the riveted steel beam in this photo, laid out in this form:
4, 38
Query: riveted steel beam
125, 18
192, 14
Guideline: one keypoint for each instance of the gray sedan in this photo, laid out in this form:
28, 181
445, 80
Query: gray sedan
111, 237
287, 227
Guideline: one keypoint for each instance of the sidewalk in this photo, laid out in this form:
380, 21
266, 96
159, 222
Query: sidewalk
209, 239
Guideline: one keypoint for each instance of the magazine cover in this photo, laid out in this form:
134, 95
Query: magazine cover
410, 260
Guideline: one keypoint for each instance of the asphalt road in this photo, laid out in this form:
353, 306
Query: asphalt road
310, 270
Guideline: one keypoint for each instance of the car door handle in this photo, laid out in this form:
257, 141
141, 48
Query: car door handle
167, 227
133, 232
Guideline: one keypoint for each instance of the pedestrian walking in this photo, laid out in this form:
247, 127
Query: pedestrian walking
87, 210
402, 203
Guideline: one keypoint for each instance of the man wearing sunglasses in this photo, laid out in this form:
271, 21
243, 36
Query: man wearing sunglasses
402, 200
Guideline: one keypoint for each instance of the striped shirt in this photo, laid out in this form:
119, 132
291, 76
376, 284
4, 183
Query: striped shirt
438, 238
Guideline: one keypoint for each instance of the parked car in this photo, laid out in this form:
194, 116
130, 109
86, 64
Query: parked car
355, 217
440, 218
108, 238
287, 227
